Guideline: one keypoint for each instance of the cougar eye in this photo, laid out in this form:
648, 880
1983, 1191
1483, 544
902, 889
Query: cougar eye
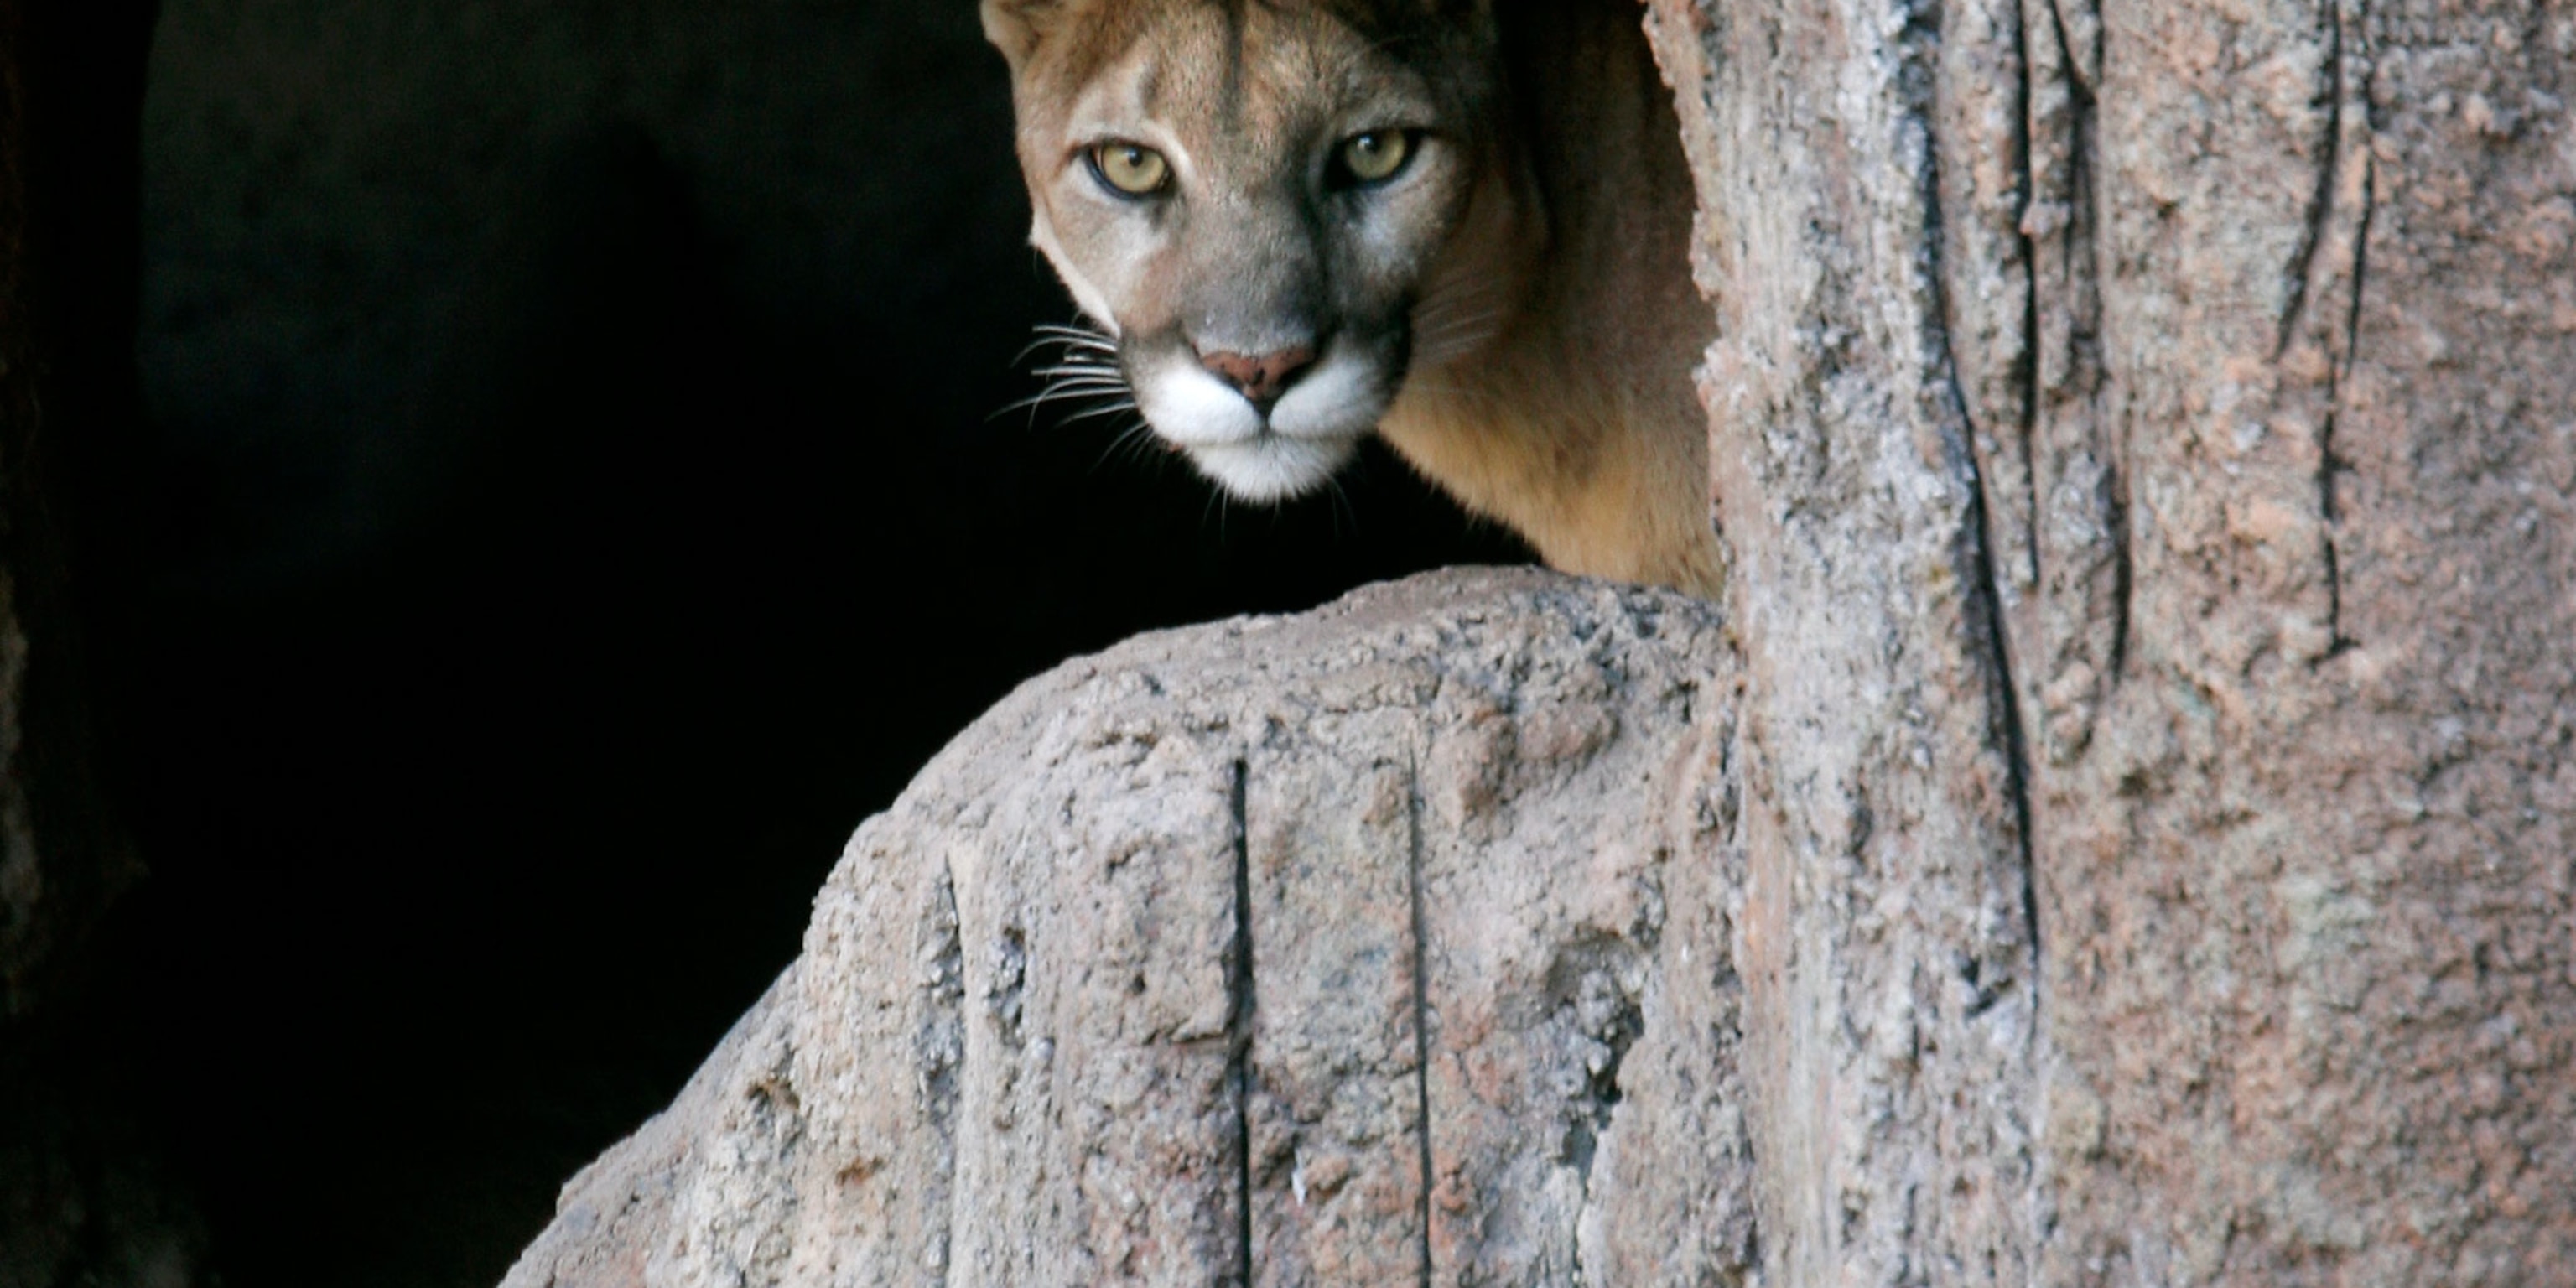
1131, 168
1376, 156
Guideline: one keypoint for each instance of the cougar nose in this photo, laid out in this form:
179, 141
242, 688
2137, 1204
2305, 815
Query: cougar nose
1260, 379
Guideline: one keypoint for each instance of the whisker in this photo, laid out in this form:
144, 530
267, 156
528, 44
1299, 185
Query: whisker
1096, 413
1342, 505
1067, 388
1071, 339
1068, 360
1450, 318
1054, 332
1084, 380
1078, 389
1450, 345
1007, 409
1135, 443
1452, 339
1076, 382
1451, 321
1096, 342
1454, 308
1053, 393
1446, 309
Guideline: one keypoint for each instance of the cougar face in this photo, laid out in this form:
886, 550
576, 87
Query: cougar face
1258, 202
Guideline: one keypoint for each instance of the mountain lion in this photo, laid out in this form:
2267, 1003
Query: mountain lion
1462, 224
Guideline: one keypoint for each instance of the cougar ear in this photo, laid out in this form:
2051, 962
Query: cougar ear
1014, 26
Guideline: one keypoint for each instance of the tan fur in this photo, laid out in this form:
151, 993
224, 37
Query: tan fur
1531, 283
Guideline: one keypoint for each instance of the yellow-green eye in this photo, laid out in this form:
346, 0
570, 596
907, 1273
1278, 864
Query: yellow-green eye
1376, 156
1132, 168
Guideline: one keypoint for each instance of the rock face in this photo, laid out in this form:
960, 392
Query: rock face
2172, 399
1326, 950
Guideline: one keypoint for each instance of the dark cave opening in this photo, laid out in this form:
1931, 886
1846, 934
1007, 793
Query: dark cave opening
555, 496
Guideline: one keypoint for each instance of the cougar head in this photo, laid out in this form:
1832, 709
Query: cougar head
1273, 210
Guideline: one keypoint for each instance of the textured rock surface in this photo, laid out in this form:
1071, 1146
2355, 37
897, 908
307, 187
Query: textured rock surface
1888, 945
1162, 970
2227, 350
2309, 890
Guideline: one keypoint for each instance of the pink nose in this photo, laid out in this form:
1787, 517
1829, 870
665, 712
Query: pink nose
1260, 379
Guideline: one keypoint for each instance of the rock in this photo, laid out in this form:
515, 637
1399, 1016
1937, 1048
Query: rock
1159, 973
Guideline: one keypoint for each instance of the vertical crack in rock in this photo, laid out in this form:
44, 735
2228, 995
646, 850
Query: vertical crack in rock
2321, 200
1239, 1021
2032, 390
2079, 36
2124, 589
942, 1053
2344, 98
1985, 611
1987, 615
2340, 371
1421, 1010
